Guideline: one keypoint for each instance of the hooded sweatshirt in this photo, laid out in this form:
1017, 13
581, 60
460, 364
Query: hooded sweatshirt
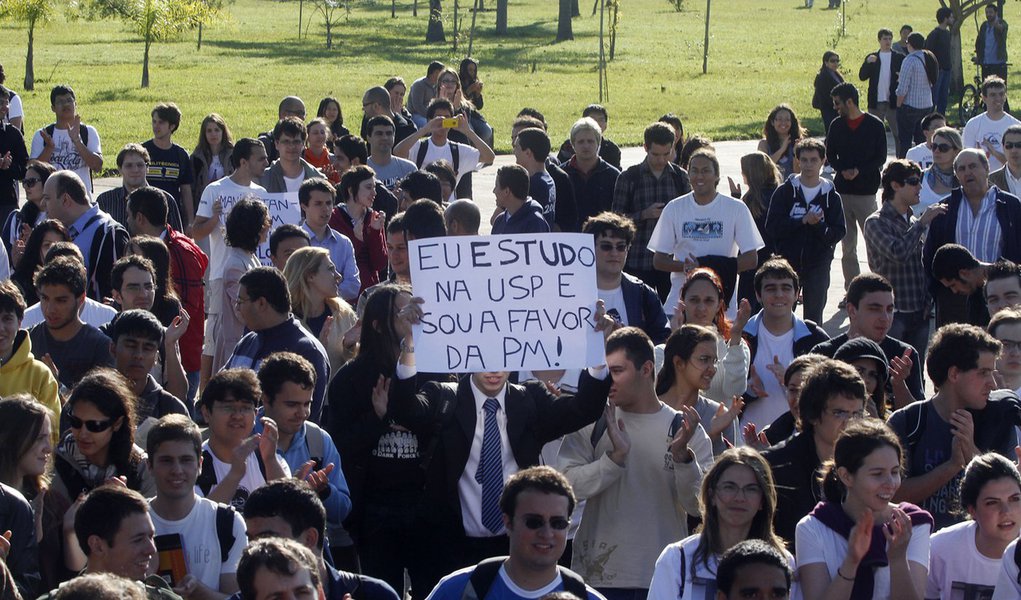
527, 219
24, 374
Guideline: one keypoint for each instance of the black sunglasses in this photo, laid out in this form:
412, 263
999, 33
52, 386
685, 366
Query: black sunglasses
607, 246
93, 426
1006, 146
536, 522
913, 180
30, 181
942, 147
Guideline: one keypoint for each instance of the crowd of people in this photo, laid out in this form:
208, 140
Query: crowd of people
200, 401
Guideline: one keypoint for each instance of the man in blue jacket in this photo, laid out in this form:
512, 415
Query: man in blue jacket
806, 220
520, 213
628, 299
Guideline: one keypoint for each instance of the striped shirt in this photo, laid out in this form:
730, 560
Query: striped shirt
914, 83
980, 232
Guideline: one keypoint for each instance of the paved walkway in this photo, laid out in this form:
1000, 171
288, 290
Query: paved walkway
729, 153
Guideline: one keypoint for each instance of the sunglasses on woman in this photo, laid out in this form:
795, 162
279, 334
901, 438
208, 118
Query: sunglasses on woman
95, 426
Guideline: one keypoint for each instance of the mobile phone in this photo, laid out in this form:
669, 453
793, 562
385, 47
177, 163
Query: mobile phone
450, 123
173, 566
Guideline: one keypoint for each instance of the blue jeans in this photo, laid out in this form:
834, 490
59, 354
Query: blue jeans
941, 91
908, 131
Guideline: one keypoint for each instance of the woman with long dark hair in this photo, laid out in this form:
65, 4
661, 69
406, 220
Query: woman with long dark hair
689, 366
780, 135
330, 112
211, 157
43, 236
857, 543
382, 462
825, 80
737, 501
761, 177
19, 223
356, 219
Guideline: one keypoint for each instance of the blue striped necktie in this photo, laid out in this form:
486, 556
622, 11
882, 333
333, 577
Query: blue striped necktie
490, 472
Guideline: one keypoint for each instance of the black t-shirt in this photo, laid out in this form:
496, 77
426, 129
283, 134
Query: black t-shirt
74, 358
169, 169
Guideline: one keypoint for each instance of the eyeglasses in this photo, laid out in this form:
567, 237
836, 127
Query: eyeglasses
94, 426
1011, 145
30, 181
239, 301
728, 491
609, 247
290, 142
942, 147
247, 409
912, 181
537, 522
844, 415
1011, 345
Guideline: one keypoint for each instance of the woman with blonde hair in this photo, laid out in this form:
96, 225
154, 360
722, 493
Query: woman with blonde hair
312, 281
939, 179
737, 502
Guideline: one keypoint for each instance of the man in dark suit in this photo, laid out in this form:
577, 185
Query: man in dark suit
479, 432
880, 69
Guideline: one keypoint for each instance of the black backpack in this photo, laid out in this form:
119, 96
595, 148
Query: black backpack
1005, 409
600, 428
423, 149
485, 573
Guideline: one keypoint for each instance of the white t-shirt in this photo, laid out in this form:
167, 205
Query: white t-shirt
666, 579
724, 227
293, 183
228, 193
1007, 585
467, 156
981, 128
201, 544
883, 91
817, 543
921, 154
252, 480
15, 109
956, 566
64, 155
614, 301
764, 411
94, 313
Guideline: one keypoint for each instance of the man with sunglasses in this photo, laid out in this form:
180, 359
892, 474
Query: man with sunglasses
893, 244
1008, 177
628, 299
13, 158
536, 506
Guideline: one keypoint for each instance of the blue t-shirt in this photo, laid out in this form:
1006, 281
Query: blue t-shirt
452, 587
542, 189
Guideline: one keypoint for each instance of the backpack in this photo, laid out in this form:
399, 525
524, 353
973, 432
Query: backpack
600, 428
314, 443
83, 132
485, 573
1005, 406
225, 529
455, 154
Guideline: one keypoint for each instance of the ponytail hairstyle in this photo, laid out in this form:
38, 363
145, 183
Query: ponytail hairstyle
981, 470
861, 438
707, 274
681, 344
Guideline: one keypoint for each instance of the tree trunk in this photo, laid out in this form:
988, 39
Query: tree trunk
199, 45
564, 30
301, 6
613, 29
29, 57
575, 10
435, 31
457, 26
393, 9
414, 9
471, 34
595, 7
956, 66
501, 17
329, 34
145, 65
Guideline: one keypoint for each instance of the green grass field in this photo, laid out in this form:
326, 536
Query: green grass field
761, 52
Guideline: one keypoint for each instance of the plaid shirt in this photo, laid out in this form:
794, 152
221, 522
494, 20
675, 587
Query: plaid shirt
913, 83
894, 248
636, 190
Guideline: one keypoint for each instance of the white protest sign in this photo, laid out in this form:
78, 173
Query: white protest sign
283, 208
506, 303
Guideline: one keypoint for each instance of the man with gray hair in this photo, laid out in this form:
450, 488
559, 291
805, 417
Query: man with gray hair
979, 216
376, 102
592, 177
290, 106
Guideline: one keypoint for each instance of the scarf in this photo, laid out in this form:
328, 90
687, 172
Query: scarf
832, 515
947, 178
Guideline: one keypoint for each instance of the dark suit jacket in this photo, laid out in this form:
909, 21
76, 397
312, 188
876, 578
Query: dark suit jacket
447, 411
870, 71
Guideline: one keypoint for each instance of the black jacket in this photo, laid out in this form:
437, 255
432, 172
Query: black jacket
863, 149
644, 310
795, 465
12, 141
593, 194
23, 560
825, 81
534, 417
803, 245
870, 71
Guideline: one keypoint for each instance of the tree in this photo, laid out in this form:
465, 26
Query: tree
434, 33
155, 20
217, 5
501, 17
32, 12
564, 30
331, 12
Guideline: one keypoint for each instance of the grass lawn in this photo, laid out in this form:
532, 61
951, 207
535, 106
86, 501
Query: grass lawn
761, 52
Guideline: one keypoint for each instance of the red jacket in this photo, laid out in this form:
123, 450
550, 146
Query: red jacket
187, 267
370, 252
